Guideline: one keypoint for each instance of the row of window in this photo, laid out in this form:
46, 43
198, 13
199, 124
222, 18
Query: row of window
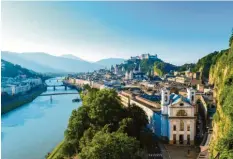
181, 126
181, 139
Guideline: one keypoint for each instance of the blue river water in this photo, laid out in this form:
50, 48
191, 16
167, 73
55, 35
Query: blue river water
34, 129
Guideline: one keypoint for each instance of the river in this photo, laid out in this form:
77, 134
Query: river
34, 129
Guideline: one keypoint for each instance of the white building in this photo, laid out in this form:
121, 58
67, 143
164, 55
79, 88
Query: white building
129, 75
178, 117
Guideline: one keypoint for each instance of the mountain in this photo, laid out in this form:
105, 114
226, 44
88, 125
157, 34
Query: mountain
70, 56
10, 70
109, 62
42, 62
16, 58
221, 76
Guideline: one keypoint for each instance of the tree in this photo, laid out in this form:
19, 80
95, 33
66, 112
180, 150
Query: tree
78, 123
114, 145
136, 120
105, 108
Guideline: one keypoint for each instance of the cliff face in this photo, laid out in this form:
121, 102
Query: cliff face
204, 64
221, 76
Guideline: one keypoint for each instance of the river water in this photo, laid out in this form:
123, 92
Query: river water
34, 129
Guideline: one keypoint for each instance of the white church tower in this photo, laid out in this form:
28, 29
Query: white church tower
165, 101
191, 95
165, 95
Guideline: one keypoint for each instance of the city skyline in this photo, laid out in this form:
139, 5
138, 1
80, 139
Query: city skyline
179, 32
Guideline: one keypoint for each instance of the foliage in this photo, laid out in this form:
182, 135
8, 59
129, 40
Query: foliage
147, 64
78, 123
187, 66
231, 39
86, 87
102, 111
162, 67
221, 75
105, 108
138, 122
111, 146
204, 64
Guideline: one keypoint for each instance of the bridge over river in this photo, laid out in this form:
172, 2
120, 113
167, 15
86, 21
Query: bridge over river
63, 93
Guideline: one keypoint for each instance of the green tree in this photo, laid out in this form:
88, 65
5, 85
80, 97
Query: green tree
135, 122
78, 123
105, 108
111, 146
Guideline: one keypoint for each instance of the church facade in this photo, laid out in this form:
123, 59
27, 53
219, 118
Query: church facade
173, 119
178, 120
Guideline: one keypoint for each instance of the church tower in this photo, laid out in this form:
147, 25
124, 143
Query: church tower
165, 94
191, 95
165, 101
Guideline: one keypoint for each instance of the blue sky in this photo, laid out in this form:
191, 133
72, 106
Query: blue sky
178, 32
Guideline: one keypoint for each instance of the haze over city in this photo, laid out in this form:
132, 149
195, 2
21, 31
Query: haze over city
93, 31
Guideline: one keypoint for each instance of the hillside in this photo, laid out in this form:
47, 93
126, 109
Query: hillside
161, 68
109, 62
16, 58
42, 62
10, 70
221, 76
204, 64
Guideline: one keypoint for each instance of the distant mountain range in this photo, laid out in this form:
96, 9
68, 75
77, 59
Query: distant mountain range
10, 70
110, 61
70, 56
45, 63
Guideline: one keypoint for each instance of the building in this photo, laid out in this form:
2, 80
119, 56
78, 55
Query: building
148, 56
136, 74
197, 75
178, 117
171, 116
129, 75
182, 79
13, 86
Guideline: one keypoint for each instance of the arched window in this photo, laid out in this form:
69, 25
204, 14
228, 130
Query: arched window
165, 98
192, 98
181, 113
181, 125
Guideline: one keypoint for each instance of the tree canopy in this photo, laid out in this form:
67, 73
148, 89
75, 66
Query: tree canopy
103, 127
114, 145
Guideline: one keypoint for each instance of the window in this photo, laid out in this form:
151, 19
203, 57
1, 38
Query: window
188, 139
181, 113
174, 138
174, 127
192, 97
166, 98
188, 127
181, 125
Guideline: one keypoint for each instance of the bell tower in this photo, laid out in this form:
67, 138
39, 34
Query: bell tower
165, 99
191, 95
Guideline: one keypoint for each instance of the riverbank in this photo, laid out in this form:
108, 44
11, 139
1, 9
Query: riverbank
55, 151
9, 103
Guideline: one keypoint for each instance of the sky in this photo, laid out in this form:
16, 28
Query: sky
179, 32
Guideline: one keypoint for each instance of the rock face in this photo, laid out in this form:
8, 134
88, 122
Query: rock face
221, 76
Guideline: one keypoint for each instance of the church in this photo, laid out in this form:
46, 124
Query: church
172, 117
178, 120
